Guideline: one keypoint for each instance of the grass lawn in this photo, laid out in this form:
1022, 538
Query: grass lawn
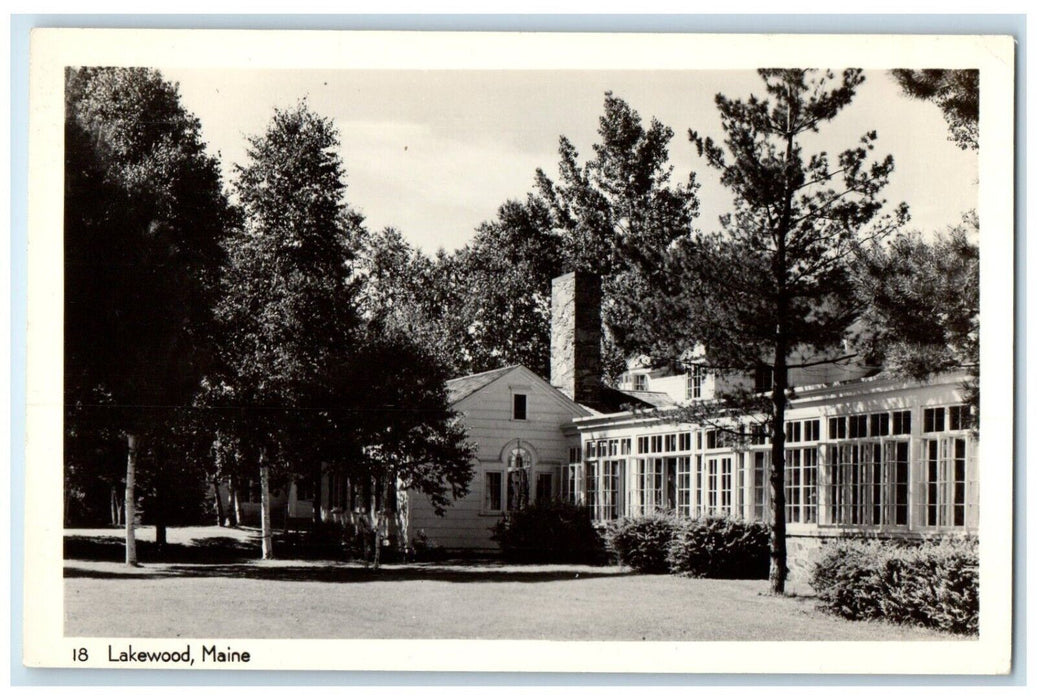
232, 595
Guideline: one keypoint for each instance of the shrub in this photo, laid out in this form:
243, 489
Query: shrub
425, 549
549, 533
719, 547
642, 543
933, 583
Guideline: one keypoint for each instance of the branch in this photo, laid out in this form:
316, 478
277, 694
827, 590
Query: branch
828, 361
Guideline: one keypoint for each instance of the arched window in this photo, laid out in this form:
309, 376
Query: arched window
520, 465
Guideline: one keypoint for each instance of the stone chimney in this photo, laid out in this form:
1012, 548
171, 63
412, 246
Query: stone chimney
576, 336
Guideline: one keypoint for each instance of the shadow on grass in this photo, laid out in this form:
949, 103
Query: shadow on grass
229, 557
347, 574
201, 551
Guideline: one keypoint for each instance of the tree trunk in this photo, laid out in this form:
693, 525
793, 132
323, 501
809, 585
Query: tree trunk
317, 477
219, 501
234, 516
403, 519
160, 517
779, 400
376, 524
116, 506
130, 510
779, 563
266, 534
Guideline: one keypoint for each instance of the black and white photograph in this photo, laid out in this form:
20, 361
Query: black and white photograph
520, 340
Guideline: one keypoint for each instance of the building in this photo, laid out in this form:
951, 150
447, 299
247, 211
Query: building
874, 455
866, 453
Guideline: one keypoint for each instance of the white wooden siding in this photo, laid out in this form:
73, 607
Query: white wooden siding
488, 417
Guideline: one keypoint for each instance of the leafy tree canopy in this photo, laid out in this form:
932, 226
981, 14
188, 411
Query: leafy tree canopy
144, 218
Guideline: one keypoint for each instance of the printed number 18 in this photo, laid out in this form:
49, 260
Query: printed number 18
80, 654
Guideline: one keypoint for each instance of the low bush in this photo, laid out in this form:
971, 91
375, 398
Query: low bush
642, 543
933, 583
550, 533
719, 547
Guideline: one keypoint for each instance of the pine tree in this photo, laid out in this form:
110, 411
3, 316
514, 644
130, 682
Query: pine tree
772, 290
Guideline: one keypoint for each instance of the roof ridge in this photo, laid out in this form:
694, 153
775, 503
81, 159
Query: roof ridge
479, 374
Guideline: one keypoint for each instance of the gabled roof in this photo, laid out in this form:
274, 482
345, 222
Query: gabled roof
462, 387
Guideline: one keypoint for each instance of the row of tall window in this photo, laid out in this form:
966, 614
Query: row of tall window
861, 475
863, 425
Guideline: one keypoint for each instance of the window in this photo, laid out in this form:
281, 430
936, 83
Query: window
858, 426
837, 428
933, 420
700, 486
574, 455
624, 446
519, 465
945, 481
761, 485
656, 486
794, 431
685, 442
544, 488
868, 483
718, 489
304, 490
879, 424
671, 443
492, 491
570, 480
958, 417
603, 488
640, 382
518, 406
684, 486
901, 422
758, 434
801, 485
696, 378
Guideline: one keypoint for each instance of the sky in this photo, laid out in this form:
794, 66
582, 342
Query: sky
435, 153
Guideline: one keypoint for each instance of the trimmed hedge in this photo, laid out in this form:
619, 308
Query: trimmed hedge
720, 547
933, 583
550, 533
643, 543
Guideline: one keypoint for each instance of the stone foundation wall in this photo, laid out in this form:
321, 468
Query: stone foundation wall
802, 552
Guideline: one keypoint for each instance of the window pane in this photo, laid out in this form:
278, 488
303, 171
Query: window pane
493, 491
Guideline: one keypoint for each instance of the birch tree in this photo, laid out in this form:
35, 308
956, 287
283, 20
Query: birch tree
288, 310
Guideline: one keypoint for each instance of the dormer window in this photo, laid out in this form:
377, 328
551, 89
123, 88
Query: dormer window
696, 378
518, 406
640, 382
